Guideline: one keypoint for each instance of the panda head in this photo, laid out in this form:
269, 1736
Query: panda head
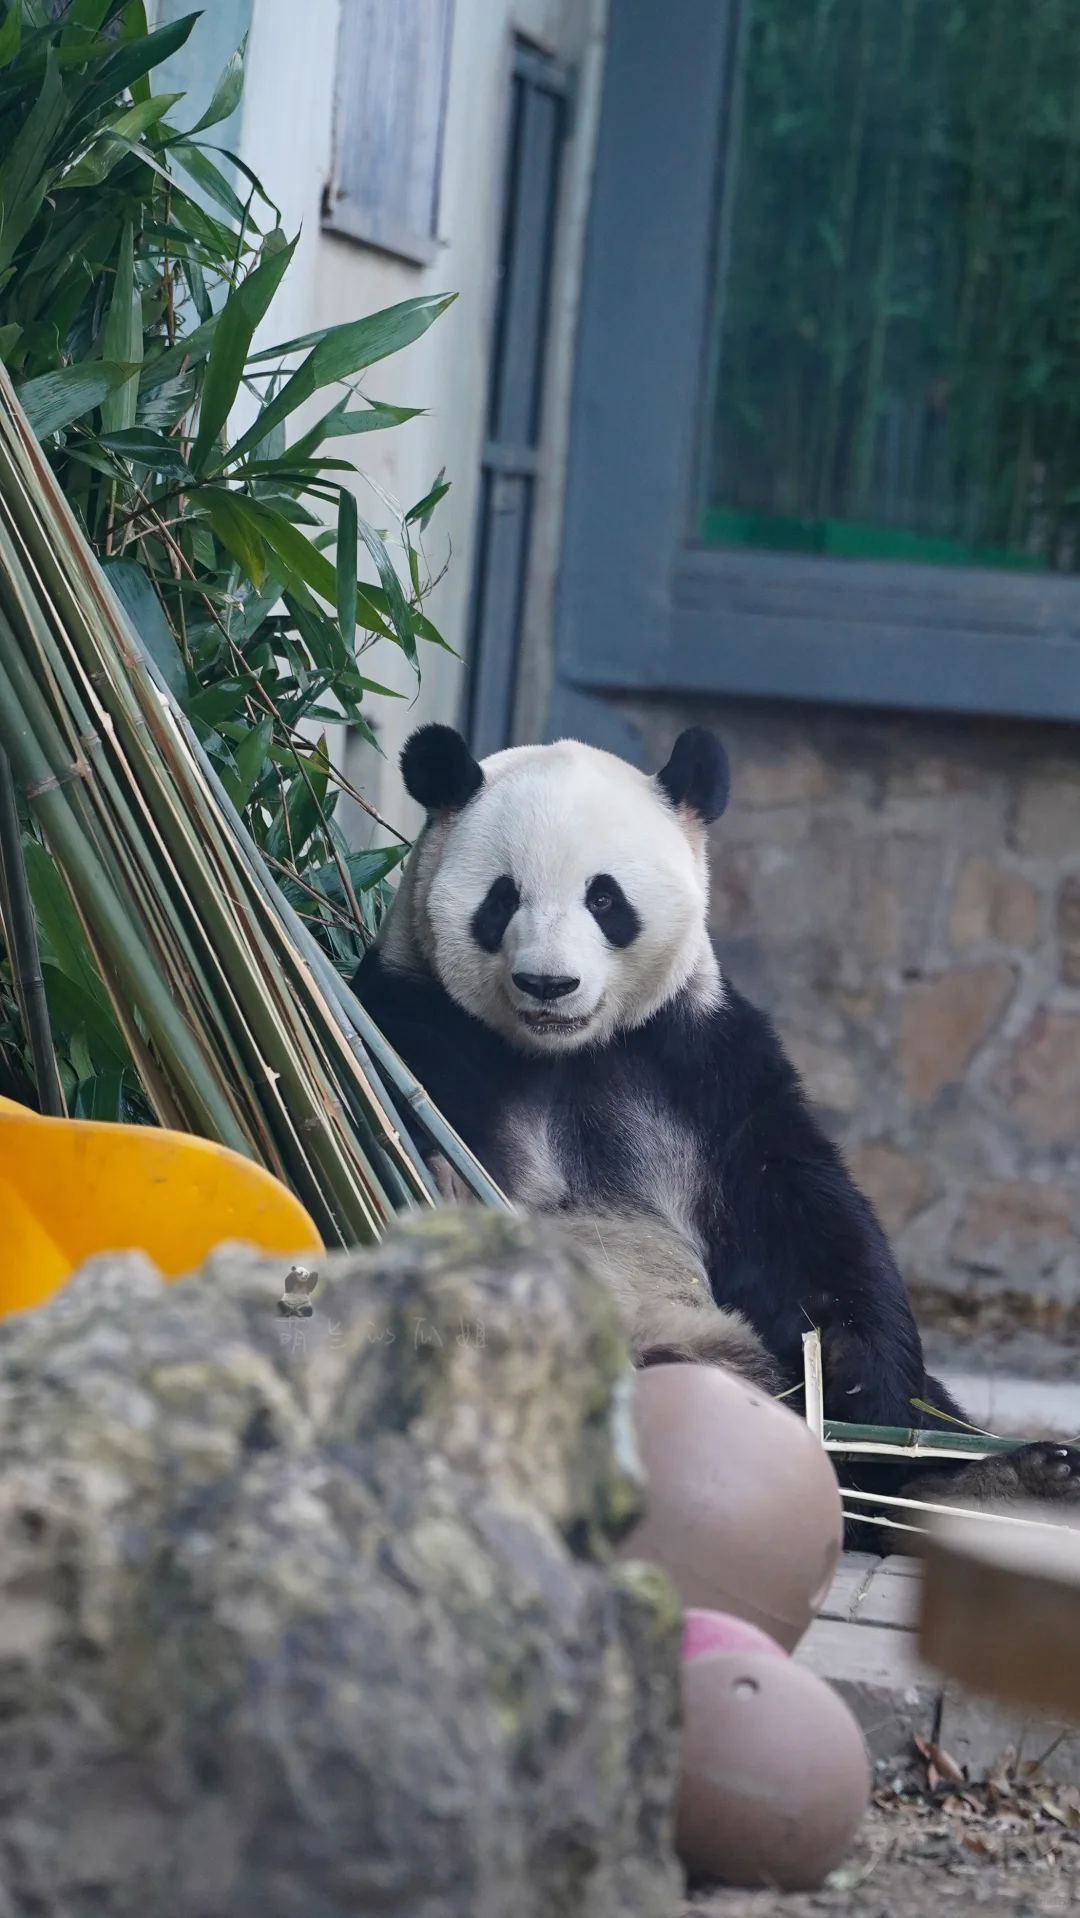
558, 894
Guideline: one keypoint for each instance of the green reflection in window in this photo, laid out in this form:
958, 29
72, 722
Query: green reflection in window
898, 368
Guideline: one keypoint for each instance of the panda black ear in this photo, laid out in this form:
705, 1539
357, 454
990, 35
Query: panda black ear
697, 776
439, 771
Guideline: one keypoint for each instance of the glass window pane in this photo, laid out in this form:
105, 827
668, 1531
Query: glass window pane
898, 351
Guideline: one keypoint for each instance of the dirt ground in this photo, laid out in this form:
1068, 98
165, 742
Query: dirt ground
1007, 1850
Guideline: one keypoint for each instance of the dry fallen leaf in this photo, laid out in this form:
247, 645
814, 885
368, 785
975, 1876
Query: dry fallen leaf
982, 1847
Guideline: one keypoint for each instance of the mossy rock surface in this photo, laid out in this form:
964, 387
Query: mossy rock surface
307, 1617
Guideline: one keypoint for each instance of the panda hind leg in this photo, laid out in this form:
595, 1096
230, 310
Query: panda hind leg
665, 1303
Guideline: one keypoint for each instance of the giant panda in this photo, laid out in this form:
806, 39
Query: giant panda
546, 972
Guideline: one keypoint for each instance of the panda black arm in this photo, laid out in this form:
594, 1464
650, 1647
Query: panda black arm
793, 1243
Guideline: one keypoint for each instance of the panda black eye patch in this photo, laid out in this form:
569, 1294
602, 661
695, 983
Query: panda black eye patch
494, 913
612, 910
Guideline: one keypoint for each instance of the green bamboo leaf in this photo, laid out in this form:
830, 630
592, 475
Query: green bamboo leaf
101, 1097
133, 59
339, 353
240, 316
346, 566
122, 340
250, 760
134, 26
365, 869
63, 942
388, 320
235, 526
10, 35
72, 1009
115, 139
187, 352
82, 18
24, 178
227, 92
396, 602
132, 587
56, 400
421, 513
146, 448
206, 175
340, 423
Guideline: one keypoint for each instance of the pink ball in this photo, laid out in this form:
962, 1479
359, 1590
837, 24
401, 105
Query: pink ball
775, 1776
705, 1632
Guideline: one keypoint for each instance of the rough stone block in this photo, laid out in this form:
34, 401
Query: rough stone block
897, 878
1014, 1226
1015, 916
991, 904
944, 1021
793, 778
1040, 1080
897, 1185
1047, 822
973, 905
828, 1075
1067, 919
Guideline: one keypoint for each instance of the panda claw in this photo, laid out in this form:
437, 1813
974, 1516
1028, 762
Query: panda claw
1047, 1471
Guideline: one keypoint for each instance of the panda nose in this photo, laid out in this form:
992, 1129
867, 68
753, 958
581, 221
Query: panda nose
545, 985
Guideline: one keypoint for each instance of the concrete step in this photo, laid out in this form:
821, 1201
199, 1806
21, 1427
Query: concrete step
864, 1643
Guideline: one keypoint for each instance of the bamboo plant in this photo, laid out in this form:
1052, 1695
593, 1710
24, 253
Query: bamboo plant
173, 632
241, 1029
136, 261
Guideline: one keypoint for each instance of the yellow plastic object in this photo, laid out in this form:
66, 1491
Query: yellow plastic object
71, 1187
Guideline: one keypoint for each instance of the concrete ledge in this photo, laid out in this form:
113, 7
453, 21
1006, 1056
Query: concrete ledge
864, 1643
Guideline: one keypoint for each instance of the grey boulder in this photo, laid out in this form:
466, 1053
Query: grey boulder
312, 1616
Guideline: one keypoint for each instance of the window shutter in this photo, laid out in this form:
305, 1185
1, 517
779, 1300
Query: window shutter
393, 66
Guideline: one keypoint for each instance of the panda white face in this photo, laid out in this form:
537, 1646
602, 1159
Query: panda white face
565, 900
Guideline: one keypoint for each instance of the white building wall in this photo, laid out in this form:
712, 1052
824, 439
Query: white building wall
285, 135
286, 140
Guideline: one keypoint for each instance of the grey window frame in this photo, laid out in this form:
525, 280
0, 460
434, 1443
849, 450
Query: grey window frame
538, 125
643, 608
344, 211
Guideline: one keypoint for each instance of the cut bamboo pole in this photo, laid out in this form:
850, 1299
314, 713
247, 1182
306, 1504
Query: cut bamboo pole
815, 1383
241, 1026
20, 932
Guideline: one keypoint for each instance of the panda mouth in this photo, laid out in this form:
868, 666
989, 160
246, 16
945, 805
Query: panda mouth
545, 1020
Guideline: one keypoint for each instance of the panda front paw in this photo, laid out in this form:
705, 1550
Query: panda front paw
1043, 1473
1047, 1472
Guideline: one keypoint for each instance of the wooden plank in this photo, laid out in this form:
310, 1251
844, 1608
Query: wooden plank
1001, 1608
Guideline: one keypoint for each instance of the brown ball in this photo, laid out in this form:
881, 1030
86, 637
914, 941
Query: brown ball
743, 1510
775, 1777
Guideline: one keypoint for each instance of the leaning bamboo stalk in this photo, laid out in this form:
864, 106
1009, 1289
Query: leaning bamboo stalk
350, 1224
47, 800
427, 1114
20, 932
897, 1441
263, 1009
101, 799
364, 1038
974, 1512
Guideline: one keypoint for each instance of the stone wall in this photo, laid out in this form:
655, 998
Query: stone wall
903, 895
